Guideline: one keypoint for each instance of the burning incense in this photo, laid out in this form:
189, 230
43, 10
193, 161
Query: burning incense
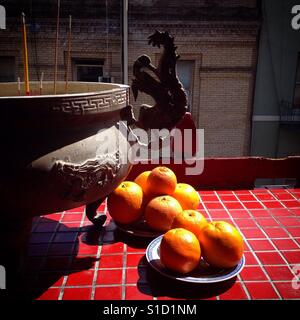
41, 83
56, 45
25, 56
19, 86
68, 54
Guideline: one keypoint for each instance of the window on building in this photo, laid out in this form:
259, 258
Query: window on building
7, 69
297, 86
90, 70
185, 72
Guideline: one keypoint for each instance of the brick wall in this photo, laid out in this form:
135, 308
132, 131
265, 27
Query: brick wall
224, 55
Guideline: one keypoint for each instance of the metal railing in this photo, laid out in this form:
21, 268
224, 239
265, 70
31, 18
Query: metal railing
289, 113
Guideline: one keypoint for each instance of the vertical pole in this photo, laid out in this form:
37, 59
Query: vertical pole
19, 86
68, 54
125, 41
25, 56
56, 46
41, 83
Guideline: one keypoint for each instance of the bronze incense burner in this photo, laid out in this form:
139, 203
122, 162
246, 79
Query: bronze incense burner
54, 152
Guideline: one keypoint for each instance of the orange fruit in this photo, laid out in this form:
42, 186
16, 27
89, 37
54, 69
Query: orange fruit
125, 202
191, 220
222, 244
187, 196
141, 180
161, 211
161, 181
180, 250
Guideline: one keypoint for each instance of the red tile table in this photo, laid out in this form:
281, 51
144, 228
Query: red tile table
69, 259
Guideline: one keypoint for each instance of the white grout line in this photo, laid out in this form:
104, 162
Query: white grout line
241, 281
211, 219
71, 256
267, 237
276, 249
123, 283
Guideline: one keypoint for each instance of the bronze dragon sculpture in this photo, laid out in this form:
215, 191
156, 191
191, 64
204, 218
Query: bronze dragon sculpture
166, 90
164, 87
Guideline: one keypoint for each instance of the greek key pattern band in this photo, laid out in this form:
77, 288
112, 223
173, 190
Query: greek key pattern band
93, 104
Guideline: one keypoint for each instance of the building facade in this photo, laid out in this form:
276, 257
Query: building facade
217, 42
276, 113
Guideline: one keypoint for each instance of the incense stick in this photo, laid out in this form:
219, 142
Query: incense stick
41, 83
56, 45
68, 54
19, 86
25, 56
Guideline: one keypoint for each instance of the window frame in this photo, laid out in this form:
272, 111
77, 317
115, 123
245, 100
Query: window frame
83, 62
296, 83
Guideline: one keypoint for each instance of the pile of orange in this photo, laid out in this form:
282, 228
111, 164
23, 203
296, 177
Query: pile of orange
171, 207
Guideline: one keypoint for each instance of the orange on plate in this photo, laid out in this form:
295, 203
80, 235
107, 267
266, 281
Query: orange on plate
191, 220
187, 196
161, 211
125, 202
222, 245
161, 181
180, 250
141, 180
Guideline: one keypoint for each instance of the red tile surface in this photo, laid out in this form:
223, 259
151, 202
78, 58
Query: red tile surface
133, 260
105, 277
253, 233
285, 244
218, 214
261, 290
113, 248
293, 257
291, 204
265, 196
261, 245
260, 213
287, 291
250, 258
206, 198
267, 222
275, 232
279, 273
108, 293
240, 213
213, 205
246, 223
236, 292
77, 293
132, 275
246, 197
233, 205
253, 273
111, 261
101, 266
82, 278
136, 293
294, 231
50, 294
72, 217
270, 258
272, 204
